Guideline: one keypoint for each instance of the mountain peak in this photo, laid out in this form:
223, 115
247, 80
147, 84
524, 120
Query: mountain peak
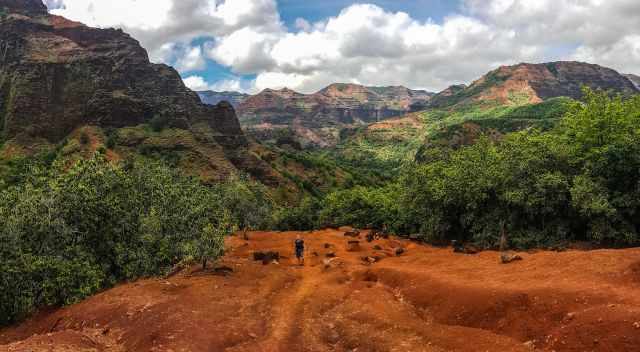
531, 83
24, 7
635, 79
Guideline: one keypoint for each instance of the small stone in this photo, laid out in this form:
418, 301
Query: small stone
530, 345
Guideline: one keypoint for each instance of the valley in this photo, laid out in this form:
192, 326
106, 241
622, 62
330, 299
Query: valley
138, 214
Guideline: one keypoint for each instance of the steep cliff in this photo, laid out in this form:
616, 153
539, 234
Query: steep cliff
58, 77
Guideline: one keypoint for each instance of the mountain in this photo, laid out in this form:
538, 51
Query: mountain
316, 119
507, 99
534, 83
212, 98
635, 79
70, 89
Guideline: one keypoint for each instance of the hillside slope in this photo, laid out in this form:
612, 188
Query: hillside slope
427, 299
534, 83
71, 90
510, 98
316, 119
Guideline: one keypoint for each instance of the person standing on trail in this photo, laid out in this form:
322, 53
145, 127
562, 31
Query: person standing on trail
299, 244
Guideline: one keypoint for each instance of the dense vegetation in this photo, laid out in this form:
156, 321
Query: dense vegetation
577, 181
66, 233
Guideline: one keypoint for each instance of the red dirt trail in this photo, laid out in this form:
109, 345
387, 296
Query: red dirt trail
427, 299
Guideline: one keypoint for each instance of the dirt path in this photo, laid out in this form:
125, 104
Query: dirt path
288, 310
427, 299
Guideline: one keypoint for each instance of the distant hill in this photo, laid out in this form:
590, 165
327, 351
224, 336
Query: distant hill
534, 83
507, 99
316, 119
213, 98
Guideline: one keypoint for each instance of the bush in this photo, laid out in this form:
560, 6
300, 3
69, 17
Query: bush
67, 233
159, 123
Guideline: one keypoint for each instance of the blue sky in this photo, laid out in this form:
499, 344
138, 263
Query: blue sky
317, 10
250, 45
314, 11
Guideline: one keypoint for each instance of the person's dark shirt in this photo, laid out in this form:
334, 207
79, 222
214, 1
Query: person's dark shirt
299, 244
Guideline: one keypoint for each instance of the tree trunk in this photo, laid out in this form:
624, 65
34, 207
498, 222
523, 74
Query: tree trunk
204, 263
503, 237
245, 236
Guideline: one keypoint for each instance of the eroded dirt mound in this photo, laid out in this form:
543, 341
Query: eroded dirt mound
419, 299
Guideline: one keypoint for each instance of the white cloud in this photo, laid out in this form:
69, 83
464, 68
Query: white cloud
367, 44
196, 83
191, 59
159, 24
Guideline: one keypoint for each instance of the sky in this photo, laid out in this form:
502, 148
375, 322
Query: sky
305, 45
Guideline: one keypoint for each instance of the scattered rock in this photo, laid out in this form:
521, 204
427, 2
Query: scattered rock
636, 325
371, 259
377, 248
354, 233
459, 247
416, 237
266, 257
353, 246
330, 262
506, 258
400, 251
315, 254
530, 345
330, 255
328, 245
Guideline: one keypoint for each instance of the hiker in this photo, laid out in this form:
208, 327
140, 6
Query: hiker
299, 244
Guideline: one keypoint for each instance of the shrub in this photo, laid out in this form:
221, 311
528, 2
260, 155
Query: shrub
159, 122
67, 233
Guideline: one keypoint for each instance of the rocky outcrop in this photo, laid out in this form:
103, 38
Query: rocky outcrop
210, 97
534, 83
316, 119
57, 76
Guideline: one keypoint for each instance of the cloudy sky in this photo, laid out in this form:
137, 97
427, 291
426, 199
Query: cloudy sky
249, 45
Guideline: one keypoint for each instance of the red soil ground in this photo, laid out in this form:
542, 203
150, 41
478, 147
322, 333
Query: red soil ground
427, 299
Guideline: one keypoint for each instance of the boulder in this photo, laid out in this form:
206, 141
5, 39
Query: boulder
354, 233
508, 257
399, 251
459, 247
353, 246
331, 262
266, 257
